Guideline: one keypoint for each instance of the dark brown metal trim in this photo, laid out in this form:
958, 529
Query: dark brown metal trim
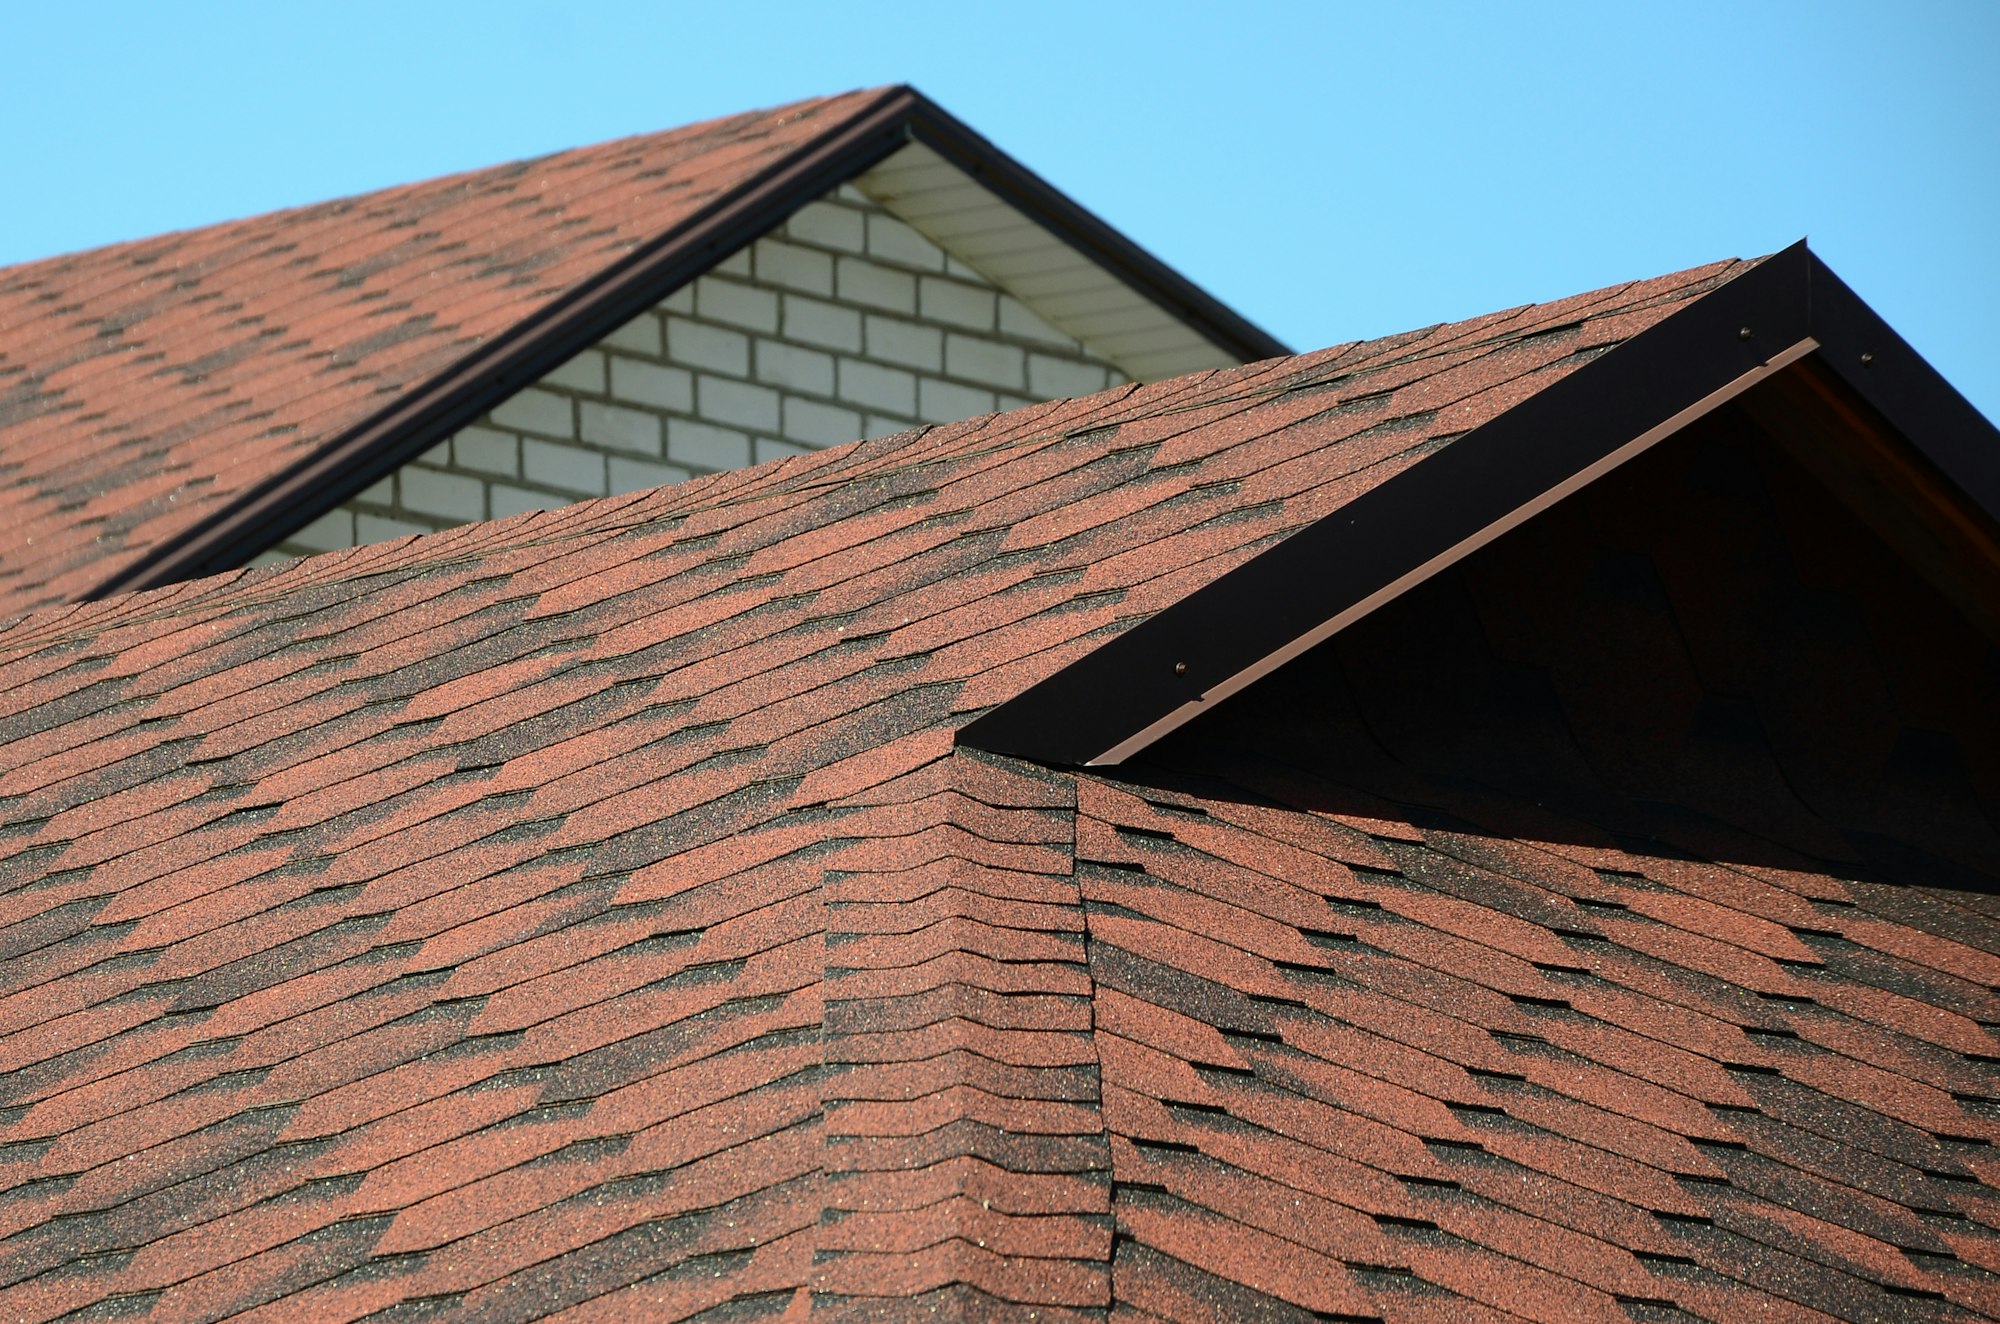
1115, 699
264, 516
1910, 396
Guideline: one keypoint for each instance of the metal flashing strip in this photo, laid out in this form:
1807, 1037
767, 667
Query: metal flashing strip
1945, 431
1116, 700
1265, 665
266, 515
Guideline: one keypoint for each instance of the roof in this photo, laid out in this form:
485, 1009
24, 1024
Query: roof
590, 914
1791, 310
177, 405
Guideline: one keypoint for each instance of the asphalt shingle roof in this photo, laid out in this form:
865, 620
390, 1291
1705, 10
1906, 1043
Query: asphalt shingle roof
145, 385
588, 915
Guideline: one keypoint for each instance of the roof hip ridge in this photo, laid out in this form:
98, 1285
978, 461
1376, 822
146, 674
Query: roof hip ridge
965, 1042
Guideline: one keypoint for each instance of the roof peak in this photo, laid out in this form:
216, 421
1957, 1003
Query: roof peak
1759, 321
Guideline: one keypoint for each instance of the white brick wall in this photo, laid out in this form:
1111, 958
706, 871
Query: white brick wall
840, 324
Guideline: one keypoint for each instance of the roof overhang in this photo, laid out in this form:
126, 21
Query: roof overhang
1787, 315
1167, 320
1072, 270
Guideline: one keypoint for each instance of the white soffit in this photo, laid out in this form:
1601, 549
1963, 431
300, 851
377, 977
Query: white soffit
961, 216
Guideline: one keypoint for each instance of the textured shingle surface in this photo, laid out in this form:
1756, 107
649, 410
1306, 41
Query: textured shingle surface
1377, 1068
586, 916
145, 384
1575, 933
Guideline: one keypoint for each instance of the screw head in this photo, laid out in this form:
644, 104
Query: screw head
1744, 334
1180, 668
1866, 358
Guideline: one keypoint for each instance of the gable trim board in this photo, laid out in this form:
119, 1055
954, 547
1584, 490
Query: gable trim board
415, 420
1790, 309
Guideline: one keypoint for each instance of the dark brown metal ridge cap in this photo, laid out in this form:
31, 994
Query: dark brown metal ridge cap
1053, 210
416, 420
1170, 668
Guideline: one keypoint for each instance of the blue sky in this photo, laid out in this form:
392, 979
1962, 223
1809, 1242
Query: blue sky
1332, 170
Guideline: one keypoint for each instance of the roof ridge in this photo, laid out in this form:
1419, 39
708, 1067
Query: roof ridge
321, 366
1612, 400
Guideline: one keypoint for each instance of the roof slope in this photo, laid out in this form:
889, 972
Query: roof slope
1387, 1062
586, 914
144, 384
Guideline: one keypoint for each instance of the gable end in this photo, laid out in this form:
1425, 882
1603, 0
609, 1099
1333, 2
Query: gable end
1169, 669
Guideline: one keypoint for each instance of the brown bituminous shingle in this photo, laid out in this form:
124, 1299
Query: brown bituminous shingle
955, 938
155, 381
586, 915
1469, 1146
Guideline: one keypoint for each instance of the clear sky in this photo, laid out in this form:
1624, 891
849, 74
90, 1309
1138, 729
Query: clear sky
1332, 170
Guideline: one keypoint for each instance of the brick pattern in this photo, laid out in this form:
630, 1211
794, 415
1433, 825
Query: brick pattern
841, 324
